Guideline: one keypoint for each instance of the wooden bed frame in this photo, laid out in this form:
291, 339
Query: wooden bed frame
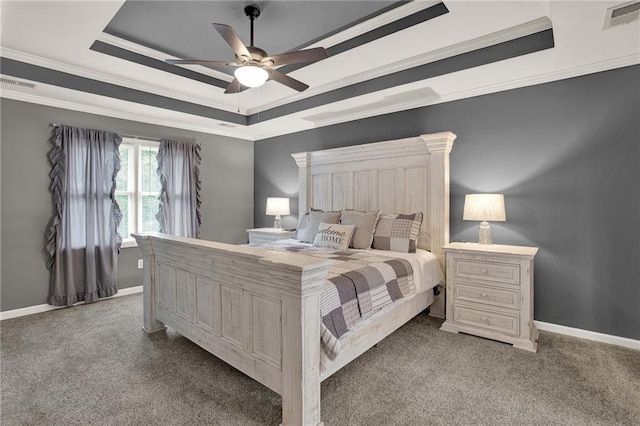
259, 310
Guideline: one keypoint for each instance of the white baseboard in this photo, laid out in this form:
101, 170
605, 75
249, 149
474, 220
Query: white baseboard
544, 326
29, 310
589, 335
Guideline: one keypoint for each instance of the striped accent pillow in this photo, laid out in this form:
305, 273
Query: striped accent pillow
397, 232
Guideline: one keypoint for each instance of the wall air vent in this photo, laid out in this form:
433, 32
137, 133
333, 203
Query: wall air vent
5, 80
622, 14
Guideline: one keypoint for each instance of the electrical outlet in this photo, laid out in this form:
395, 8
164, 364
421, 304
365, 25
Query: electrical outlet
140, 263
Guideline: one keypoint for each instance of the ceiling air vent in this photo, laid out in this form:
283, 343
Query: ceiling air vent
622, 14
5, 80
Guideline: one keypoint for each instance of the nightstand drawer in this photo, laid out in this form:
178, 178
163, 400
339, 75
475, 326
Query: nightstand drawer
503, 323
497, 272
505, 298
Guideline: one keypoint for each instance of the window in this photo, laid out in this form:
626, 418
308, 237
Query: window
138, 188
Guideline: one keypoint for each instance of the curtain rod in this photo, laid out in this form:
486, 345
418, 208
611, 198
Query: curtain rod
147, 138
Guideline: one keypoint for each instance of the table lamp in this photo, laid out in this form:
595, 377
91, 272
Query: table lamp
484, 207
277, 206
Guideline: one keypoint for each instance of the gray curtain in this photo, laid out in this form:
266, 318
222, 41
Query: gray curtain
179, 172
83, 241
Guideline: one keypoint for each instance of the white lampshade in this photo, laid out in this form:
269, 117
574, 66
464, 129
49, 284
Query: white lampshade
484, 207
251, 75
277, 206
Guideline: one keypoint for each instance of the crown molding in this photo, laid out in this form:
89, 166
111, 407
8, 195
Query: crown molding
107, 78
528, 28
213, 129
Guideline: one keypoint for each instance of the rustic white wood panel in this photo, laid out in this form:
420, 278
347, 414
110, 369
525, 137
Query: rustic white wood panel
321, 192
415, 193
232, 314
386, 191
341, 191
208, 304
167, 286
266, 340
184, 294
362, 191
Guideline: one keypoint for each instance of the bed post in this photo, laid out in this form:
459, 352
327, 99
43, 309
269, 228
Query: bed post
149, 292
301, 349
439, 146
304, 184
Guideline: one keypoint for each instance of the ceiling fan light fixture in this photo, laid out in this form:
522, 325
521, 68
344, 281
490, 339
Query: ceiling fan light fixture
251, 75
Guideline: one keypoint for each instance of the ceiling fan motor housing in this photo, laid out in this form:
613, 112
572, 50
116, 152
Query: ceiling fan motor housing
257, 54
252, 11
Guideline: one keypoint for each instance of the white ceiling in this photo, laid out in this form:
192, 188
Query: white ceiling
58, 36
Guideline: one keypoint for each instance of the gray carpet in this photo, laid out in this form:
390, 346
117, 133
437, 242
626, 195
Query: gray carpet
92, 364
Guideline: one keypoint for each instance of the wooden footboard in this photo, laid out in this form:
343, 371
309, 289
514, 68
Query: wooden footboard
257, 310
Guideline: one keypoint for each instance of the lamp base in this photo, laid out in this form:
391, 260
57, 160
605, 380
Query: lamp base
276, 223
484, 236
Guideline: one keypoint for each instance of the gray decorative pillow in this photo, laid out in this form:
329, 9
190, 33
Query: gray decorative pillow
302, 225
304, 222
365, 225
333, 236
397, 232
307, 233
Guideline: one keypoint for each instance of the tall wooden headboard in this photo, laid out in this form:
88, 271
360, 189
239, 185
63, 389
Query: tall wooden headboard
399, 176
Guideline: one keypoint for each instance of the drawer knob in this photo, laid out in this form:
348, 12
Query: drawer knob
485, 319
484, 271
483, 294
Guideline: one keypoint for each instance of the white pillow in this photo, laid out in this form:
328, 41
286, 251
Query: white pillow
333, 236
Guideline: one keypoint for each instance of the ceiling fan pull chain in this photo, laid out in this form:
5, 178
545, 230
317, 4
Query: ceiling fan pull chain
259, 101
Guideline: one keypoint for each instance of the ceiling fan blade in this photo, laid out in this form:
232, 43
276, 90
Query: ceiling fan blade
231, 37
235, 87
203, 63
288, 81
307, 55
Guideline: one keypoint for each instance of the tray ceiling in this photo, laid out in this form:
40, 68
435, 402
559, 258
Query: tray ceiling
108, 57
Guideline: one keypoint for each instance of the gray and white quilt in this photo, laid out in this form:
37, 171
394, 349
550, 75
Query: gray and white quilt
358, 284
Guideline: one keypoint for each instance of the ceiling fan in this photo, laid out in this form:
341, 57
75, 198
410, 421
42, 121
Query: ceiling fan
254, 65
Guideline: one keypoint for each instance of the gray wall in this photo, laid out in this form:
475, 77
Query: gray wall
567, 157
227, 193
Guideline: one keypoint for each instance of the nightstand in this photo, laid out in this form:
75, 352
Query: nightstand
267, 235
489, 292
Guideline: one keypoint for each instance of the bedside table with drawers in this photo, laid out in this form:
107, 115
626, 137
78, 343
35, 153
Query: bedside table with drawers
489, 292
267, 235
